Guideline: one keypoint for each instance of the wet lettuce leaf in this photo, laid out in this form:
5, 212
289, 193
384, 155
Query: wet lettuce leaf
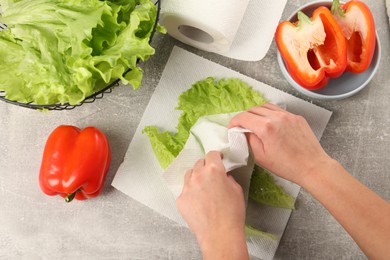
205, 97
208, 97
263, 189
253, 232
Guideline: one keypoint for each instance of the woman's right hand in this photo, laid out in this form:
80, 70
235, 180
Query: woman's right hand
284, 144
281, 142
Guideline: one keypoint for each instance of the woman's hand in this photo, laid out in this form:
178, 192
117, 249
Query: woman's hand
281, 142
284, 144
212, 203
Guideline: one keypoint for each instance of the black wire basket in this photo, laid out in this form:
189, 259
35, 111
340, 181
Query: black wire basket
90, 99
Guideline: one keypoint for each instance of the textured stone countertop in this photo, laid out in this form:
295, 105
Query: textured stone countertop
114, 226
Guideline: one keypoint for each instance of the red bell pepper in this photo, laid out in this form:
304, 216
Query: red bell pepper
75, 163
313, 49
357, 24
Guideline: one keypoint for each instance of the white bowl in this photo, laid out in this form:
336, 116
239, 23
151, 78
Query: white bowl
342, 87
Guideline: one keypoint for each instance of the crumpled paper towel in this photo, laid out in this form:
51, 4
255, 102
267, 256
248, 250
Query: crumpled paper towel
140, 175
210, 133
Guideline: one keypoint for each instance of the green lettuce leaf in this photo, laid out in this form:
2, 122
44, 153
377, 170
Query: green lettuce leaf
263, 189
205, 97
208, 97
61, 51
253, 232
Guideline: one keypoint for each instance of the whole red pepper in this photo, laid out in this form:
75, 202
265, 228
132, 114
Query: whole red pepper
358, 26
313, 49
75, 163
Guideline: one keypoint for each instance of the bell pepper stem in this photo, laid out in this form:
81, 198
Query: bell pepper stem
336, 9
70, 197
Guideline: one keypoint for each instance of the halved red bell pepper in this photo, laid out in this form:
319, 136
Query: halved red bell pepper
313, 49
75, 163
358, 26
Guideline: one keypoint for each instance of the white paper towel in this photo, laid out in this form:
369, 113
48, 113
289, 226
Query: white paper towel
210, 133
140, 175
241, 30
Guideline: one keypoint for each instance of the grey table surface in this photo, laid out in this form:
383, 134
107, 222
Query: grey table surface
114, 226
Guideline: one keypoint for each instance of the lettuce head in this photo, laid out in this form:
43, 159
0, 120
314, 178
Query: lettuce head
62, 51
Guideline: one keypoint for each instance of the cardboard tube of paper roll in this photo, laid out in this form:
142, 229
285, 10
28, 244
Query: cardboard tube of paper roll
209, 25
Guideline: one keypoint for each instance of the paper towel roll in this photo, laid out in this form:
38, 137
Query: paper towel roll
210, 25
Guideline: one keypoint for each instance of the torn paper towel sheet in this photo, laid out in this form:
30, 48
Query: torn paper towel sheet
140, 176
242, 31
210, 133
